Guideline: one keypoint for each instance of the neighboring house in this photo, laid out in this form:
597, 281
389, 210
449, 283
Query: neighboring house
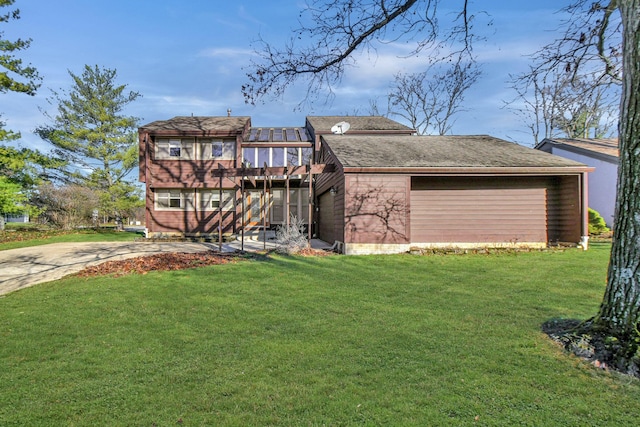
19, 217
601, 154
376, 188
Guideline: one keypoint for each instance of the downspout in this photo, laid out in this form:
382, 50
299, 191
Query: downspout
584, 239
147, 184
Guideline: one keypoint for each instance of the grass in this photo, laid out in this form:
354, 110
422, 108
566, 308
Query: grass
21, 237
368, 340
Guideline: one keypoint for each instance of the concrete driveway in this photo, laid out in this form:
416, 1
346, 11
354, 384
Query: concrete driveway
21, 268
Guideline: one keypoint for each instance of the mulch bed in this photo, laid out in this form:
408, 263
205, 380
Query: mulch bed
172, 261
158, 262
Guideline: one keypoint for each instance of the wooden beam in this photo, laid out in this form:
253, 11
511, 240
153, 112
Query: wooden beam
298, 170
273, 171
220, 212
322, 168
233, 172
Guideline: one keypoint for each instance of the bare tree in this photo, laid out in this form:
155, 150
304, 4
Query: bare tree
555, 103
586, 110
599, 37
67, 206
429, 100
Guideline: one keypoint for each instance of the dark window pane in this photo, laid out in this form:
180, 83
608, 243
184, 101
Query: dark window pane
306, 155
263, 157
249, 156
278, 157
292, 156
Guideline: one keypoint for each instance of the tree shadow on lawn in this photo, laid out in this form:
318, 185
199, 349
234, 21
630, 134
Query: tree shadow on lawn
581, 338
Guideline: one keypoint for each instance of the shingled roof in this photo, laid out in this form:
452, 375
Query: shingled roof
605, 148
472, 151
198, 125
323, 124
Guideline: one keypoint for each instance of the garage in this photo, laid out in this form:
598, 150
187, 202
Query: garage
453, 191
478, 210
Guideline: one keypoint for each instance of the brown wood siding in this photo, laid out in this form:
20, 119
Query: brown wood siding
142, 156
324, 182
479, 210
190, 221
376, 209
326, 218
182, 173
564, 209
185, 174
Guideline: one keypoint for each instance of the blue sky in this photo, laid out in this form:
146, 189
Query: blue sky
188, 57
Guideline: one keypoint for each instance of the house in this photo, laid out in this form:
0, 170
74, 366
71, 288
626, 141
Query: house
369, 184
601, 154
18, 217
183, 197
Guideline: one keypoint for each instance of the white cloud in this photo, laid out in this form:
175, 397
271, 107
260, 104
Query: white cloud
225, 53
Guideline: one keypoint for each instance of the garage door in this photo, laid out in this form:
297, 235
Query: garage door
478, 210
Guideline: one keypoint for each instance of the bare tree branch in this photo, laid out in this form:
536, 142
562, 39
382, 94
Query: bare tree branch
338, 29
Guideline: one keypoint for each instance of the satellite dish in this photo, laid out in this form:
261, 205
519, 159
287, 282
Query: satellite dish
340, 128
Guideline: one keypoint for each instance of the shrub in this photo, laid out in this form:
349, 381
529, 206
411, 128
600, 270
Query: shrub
291, 239
596, 223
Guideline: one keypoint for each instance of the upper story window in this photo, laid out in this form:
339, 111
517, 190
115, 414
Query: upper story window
276, 156
174, 149
217, 149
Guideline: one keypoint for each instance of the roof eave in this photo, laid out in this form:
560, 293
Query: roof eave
528, 170
194, 133
369, 132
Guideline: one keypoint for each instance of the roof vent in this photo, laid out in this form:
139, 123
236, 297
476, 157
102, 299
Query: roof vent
340, 128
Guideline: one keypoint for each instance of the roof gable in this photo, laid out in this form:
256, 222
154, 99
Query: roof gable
199, 125
469, 151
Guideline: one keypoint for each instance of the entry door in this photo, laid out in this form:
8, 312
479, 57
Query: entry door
253, 206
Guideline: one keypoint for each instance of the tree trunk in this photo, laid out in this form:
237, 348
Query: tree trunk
619, 313
1, 221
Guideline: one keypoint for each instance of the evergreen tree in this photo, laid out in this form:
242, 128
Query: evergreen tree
91, 132
15, 76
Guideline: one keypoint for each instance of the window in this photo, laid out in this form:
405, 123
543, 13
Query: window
174, 149
293, 157
276, 156
249, 156
171, 199
278, 202
263, 157
307, 153
298, 204
223, 149
210, 200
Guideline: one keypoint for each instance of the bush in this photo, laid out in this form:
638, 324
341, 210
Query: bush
596, 223
291, 239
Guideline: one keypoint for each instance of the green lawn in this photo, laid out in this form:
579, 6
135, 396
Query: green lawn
23, 237
366, 340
